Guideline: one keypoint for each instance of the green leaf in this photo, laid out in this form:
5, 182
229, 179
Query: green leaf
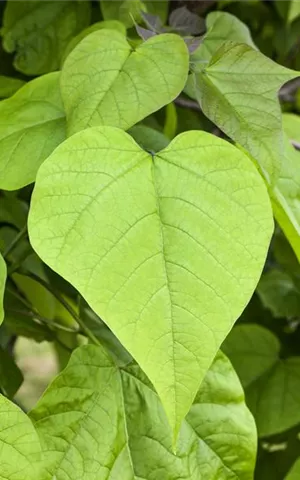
39, 32
98, 420
221, 27
291, 125
272, 384
108, 25
124, 10
279, 293
137, 82
148, 138
294, 473
10, 375
285, 195
32, 124
293, 11
9, 86
20, 449
2, 285
157, 245
242, 101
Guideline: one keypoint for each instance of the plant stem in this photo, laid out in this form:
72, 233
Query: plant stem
22, 233
66, 305
44, 320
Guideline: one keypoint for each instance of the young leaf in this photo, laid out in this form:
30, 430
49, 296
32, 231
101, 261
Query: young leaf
9, 86
221, 27
39, 31
108, 25
242, 101
272, 384
100, 421
105, 82
32, 124
2, 285
20, 449
167, 249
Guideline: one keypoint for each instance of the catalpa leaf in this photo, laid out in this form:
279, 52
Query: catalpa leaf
294, 473
221, 27
242, 101
124, 10
272, 384
10, 375
105, 81
100, 421
39, 31
291, 126
20, 449
32, 124
167, 248
2, 285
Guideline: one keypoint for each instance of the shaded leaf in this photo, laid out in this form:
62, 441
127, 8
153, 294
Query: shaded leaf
137, 83
39, 31
136, 440
9, 86
2, 285
186, 22
10, 375
272, 384
32, 124
242, 101
173, 232
294, 473
148, 138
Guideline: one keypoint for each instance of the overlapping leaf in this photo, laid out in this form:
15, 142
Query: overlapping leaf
20, 450
39, 31
238, 92
32, 124
99, 421
105, 81
272, 384
9, 86
166, 249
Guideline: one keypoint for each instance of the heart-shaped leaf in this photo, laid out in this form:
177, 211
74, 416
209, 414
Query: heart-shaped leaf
2, 285
105, 81
98, 421
32, 124
167, 249
20, 449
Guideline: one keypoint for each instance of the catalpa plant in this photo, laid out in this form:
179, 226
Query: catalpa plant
143, 159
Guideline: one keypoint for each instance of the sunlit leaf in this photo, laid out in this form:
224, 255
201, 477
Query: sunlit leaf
183, 234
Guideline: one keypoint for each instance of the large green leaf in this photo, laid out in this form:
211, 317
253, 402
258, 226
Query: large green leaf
272, 384
39, 31
32, 124
128, 10
167, 249
242, 101
2, 285
291, 125
136, 83
221, 27
99, 421
20, 449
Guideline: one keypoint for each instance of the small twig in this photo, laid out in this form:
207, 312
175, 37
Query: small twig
66, 305
44, 320
15, 241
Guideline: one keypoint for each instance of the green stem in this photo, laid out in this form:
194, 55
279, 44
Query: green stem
22, 233
66, 305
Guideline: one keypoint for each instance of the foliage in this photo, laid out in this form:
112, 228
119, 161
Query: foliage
144, 156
